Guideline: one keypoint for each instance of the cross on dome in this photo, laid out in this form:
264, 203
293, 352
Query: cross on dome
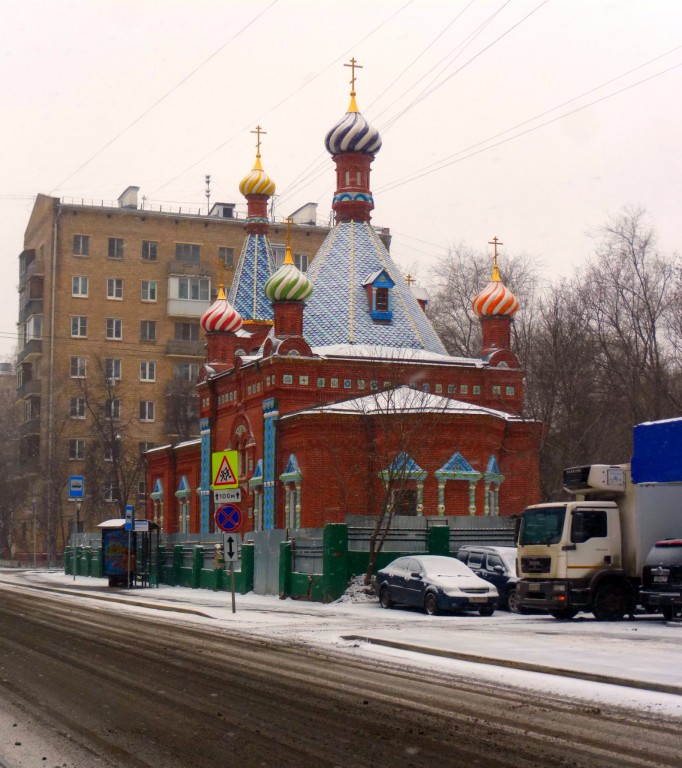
353, 66
495, 242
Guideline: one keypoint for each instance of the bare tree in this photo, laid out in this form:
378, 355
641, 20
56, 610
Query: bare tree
182, 409
13, 488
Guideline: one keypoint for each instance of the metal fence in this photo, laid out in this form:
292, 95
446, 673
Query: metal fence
306, 550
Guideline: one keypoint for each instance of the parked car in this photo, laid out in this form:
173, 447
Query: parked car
662, 578
496, 565
434, 583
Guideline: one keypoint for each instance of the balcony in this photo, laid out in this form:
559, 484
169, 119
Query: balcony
176, 267
30, 387
186, 307
32, 307
31, 350
36, 267
184, 348
30, 427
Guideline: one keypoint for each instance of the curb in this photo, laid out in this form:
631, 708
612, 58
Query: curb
592, 677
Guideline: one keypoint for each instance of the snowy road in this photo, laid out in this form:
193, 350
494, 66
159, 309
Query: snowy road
285, 680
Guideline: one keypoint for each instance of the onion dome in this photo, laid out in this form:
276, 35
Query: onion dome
288, 283
353, 134
257, 182
221, 316
495, 300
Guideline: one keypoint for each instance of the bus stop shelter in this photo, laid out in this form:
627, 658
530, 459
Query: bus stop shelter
129, 557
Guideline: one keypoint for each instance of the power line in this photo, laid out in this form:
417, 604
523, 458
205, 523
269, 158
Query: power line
420, 175
165, 96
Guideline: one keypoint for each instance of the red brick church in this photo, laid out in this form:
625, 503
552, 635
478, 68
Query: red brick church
335, 389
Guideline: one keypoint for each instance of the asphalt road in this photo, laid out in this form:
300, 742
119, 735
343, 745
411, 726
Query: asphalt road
110, 688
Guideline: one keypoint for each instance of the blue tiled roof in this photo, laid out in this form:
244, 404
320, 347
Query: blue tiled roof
256, 265
338, 312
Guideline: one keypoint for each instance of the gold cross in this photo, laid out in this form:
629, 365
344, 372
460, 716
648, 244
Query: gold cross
495, 242
353, 66
409, 280
259, 131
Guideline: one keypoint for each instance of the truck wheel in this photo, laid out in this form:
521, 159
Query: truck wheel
610, 603
564, 614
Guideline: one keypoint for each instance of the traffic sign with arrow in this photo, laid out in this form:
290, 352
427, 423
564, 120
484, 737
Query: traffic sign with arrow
231, 543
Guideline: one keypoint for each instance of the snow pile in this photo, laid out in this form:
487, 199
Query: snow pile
358, 592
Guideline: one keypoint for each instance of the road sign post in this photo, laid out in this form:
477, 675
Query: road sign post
130, 527
231, 544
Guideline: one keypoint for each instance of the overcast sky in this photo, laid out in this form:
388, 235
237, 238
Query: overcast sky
100, 95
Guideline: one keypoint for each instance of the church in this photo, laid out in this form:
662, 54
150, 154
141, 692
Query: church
334, 388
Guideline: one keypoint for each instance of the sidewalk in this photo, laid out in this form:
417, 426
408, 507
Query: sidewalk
644, 654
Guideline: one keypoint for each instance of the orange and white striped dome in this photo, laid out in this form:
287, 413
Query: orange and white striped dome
495, 299
221, 316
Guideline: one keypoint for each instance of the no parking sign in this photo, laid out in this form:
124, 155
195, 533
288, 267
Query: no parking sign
228, 518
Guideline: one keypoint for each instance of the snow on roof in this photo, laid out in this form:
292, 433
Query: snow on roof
397, 354
184, 444
403, 400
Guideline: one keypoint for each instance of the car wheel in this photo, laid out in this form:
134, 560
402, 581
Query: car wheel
385, 598
610, 603
668, 612
513, 601
486, 610
564, 614
431, 604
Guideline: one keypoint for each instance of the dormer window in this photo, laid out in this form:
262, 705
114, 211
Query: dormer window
379, 287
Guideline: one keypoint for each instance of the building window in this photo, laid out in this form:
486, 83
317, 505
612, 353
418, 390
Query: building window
143, 448
78, 368
193, 288
112, 369
79, 327
148, 290
301, 261
148, 330
187, 331
186, 371
149, 250
226, 256
146, 410
76, 450
77, 410
114, 288
81, 245
189, 252
114, 329
381, 301
147, 370
108, 453
110, 492
114, 408
115, 249
79, 286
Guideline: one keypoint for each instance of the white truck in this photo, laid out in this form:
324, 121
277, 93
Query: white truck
587, 554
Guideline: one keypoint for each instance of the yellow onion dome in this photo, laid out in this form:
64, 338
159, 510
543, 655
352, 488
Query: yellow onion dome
221, 316
257, 182
495, 299
288, 283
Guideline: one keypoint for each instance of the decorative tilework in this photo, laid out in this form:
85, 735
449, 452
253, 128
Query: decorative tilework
374, 384
439, 389
477, 389
303, 381
451, 389
320, 382
338, 311
334, 383
497, 390
347, 383
361, 383
510, 390
270, 414
205, 497
464, 389
287, 378
256, 264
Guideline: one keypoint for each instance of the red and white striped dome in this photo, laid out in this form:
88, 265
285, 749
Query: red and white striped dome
495, 300
221, 316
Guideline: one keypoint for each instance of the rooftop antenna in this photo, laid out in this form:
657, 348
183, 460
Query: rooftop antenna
208, 194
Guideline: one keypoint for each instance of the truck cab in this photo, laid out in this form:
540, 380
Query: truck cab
570, 554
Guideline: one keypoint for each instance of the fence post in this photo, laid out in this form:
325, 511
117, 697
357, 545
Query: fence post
284, 569
197, 565
247, 571
160, 565
68, 561
334, 560
438, 541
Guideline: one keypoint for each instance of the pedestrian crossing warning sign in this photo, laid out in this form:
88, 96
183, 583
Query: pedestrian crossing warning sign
225, 472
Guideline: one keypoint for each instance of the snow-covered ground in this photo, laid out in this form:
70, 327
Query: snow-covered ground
642, 658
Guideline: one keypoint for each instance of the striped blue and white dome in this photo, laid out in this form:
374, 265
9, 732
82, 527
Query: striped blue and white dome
353, 134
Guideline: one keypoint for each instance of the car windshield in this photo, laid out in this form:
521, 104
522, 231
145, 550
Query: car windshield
445, 566
510, 560
542, 526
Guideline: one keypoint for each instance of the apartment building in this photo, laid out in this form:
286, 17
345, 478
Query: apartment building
110, 298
